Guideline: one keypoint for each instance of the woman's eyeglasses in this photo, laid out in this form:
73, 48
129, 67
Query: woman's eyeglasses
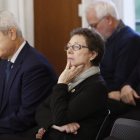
74, 47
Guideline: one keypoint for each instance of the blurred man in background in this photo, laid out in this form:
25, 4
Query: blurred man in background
121, 54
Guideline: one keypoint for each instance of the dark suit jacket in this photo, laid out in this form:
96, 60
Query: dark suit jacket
30, 83
87, 105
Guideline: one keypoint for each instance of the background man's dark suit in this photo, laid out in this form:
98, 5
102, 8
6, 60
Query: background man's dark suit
30, 83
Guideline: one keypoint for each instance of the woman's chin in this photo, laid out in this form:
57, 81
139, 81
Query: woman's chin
76, 65
71, 65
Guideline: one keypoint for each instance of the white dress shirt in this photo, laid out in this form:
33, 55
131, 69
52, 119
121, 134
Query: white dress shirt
17, 52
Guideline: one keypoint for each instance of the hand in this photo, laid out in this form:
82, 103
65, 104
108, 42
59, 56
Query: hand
70, 73
40, 133
114, 95
128, 94
69, 128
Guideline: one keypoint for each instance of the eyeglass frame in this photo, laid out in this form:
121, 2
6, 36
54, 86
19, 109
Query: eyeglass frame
81, 46
96, 24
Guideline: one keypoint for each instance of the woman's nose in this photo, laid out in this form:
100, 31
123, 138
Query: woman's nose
70, 50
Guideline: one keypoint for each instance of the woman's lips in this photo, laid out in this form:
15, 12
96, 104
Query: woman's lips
69, 58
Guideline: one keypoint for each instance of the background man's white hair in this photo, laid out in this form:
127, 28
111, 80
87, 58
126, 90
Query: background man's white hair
7, 20
103, 8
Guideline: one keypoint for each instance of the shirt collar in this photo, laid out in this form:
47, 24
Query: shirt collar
17, 52
116, 31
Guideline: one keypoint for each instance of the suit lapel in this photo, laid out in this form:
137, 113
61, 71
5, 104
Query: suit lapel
14, 72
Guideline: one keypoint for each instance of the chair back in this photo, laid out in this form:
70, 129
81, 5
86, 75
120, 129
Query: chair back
104, 125
126, 129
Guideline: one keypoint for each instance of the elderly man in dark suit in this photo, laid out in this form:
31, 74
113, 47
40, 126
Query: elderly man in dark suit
26, 78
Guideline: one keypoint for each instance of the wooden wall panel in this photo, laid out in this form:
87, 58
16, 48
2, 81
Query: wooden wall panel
54, 20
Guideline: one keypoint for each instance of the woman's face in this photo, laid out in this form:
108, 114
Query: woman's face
79, 57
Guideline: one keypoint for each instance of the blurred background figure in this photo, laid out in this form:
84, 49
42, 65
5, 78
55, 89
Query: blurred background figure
121, 54
122, 44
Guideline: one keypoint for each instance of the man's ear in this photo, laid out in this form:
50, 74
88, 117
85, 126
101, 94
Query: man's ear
94, 55
109, 19
12, 33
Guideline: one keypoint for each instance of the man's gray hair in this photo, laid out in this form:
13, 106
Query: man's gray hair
103, 8
7, 20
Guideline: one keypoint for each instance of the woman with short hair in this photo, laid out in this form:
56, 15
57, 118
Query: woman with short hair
79, 102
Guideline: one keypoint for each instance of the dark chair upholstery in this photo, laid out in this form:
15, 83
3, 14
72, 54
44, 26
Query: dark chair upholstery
125, 129
111, 138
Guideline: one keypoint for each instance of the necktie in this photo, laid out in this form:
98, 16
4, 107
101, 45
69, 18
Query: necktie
8, 71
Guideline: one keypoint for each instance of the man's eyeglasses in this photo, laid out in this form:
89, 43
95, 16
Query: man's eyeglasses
74, 47
95, 25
